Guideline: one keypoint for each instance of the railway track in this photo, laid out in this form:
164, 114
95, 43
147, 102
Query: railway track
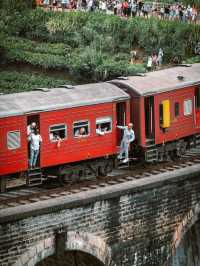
136, 171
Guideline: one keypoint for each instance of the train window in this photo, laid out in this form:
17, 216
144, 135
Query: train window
57, 132
104, 124
161, 113
13, 140
81, 128
187, 107
176, 109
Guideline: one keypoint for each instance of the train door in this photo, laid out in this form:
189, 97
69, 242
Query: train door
121, 119
33, 119
197, 106
149, 117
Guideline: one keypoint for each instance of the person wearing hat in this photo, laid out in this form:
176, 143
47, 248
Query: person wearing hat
128, 137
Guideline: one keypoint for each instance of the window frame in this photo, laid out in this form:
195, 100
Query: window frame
12, 131
187, 100
54, 125
104, 118
80, 121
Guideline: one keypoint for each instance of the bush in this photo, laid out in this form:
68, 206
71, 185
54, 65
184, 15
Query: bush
11, 82
18, 5
192, 60
91, 45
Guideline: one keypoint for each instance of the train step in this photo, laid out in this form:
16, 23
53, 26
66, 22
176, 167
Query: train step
123, 165
34, 177
197, 140
150, 142
151, 155
197, 143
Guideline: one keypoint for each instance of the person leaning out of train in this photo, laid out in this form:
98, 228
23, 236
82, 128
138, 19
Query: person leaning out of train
100, 131
31, 128
80, 132
35, 141
128, 137
54, 137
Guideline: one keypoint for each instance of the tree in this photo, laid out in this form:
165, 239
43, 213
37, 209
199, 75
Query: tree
17, 5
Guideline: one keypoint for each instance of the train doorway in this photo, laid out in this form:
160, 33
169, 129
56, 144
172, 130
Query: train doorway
149, 117
121, 119
30, 120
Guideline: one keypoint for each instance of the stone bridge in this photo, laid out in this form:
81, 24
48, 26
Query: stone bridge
153, 221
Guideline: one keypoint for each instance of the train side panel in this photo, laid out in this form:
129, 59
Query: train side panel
72, 148
181, 112
13, 145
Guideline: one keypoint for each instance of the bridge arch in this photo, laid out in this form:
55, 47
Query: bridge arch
189, 220
75, 241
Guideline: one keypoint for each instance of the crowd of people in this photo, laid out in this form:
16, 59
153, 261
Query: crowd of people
176, 11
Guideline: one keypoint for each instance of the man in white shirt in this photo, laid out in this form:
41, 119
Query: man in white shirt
128, 137
35, 140
31, 128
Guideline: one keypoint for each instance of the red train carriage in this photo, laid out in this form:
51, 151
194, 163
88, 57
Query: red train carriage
64, 111
165, 109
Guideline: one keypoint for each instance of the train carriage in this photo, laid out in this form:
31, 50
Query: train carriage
62, 111
165, 109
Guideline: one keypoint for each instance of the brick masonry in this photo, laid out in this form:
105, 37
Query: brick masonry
131, 224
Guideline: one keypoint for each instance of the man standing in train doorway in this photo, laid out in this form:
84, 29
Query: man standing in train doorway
128, 137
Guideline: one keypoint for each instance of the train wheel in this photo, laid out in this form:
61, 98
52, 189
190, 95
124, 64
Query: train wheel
105, 168
181, 149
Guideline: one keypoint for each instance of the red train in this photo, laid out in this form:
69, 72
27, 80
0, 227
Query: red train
164, 107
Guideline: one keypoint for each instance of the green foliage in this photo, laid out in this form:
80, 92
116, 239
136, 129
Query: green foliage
15, 82
192, 60
92, 46
185, 2
192, 2
18, 5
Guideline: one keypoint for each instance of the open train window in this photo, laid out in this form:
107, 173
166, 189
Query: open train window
176, 109
57, 132
104, 124
13, 140
81, 128
187, 107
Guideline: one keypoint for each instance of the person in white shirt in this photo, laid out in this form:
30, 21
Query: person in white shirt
160, 57
35, 140
31, 128
99, 131
128, 137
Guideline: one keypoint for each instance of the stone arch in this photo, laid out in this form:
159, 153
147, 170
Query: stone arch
79, 241
180, 231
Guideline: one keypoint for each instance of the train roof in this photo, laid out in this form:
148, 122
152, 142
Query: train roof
162, 80
42, 100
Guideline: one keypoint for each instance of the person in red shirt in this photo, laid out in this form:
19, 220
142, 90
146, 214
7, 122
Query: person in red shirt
125, 8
